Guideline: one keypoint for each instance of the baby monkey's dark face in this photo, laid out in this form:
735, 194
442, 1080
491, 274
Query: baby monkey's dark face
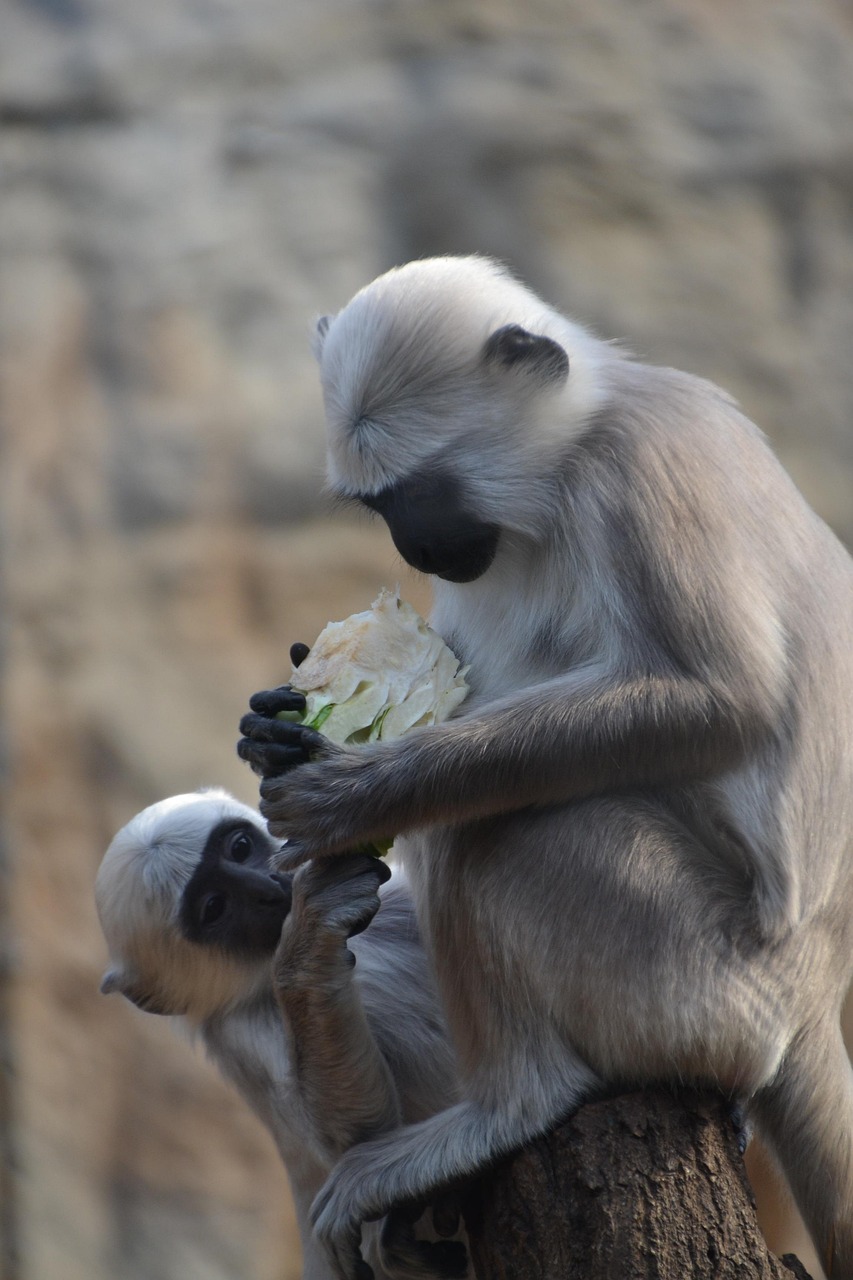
233, 901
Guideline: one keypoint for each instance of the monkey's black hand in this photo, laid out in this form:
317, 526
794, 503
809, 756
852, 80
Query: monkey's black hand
269, 702
334, 804
333, 900
341, 895
273, 746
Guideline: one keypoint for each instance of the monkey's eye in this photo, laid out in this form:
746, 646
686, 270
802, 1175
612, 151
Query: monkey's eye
240, 847
212, 908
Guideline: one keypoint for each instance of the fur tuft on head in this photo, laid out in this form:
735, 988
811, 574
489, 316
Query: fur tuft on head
138, 892
409, 374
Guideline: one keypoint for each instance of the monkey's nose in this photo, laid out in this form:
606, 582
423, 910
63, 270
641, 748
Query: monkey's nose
423, 559
461, 559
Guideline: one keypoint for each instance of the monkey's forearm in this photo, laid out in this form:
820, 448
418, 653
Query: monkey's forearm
552, 745
345, 1084
581, 735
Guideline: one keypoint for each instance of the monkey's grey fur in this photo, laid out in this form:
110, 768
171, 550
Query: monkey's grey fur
324, 1053
632, 849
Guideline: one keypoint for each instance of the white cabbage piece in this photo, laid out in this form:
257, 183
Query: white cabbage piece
378, 674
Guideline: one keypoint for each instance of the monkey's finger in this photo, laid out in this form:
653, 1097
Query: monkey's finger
263, 729
346, 1256
364, 920
345, 867
446, 1214
268, 759
298, 653
397, 1242
403, 1254
311, 742
343, 892
292, 854
276, 789
446, 1258
742, 1125
270, 701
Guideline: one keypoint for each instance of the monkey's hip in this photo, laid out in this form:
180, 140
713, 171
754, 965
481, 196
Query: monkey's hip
592, 926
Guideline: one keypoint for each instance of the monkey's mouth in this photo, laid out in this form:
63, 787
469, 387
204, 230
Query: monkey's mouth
277, 906
456, 560
429, 517
258, 931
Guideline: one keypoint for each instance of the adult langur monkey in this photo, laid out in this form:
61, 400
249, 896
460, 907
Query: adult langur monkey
330, 1038
632, 848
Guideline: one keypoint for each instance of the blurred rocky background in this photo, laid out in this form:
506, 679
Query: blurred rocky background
184, 186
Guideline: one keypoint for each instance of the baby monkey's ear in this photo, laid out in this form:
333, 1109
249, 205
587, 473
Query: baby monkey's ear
112, 980
118, 980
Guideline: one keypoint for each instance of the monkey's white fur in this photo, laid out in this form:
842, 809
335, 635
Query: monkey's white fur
305, 1038
632, 849
139, 885
398, 361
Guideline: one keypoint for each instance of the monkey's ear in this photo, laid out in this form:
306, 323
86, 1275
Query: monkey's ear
513, 348
320, 331
113, 980
117, 980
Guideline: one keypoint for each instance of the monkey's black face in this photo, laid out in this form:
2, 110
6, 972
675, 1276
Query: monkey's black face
433, 528
233, 901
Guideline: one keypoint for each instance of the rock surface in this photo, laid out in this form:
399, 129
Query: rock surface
183, 187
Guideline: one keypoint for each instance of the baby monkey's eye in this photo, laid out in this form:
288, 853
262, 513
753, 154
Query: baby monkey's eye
212, 908
240, 847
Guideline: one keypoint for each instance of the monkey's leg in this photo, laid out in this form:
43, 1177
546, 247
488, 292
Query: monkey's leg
807, 1113
409, 1162
683, 984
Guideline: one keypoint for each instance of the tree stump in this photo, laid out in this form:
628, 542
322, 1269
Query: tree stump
645, 1186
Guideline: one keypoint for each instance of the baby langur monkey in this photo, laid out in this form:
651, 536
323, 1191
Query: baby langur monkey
330, 1037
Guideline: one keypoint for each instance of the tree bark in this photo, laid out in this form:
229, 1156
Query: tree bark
645, 1186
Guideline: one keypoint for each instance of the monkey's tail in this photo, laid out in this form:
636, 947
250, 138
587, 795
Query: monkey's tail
806, 1112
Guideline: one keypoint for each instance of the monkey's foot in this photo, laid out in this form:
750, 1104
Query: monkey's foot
364, 1186
337, 1226
741, 1124
349, 1198
404, 1255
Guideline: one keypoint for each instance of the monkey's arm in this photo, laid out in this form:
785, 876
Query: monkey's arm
345, 1086
588, 732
